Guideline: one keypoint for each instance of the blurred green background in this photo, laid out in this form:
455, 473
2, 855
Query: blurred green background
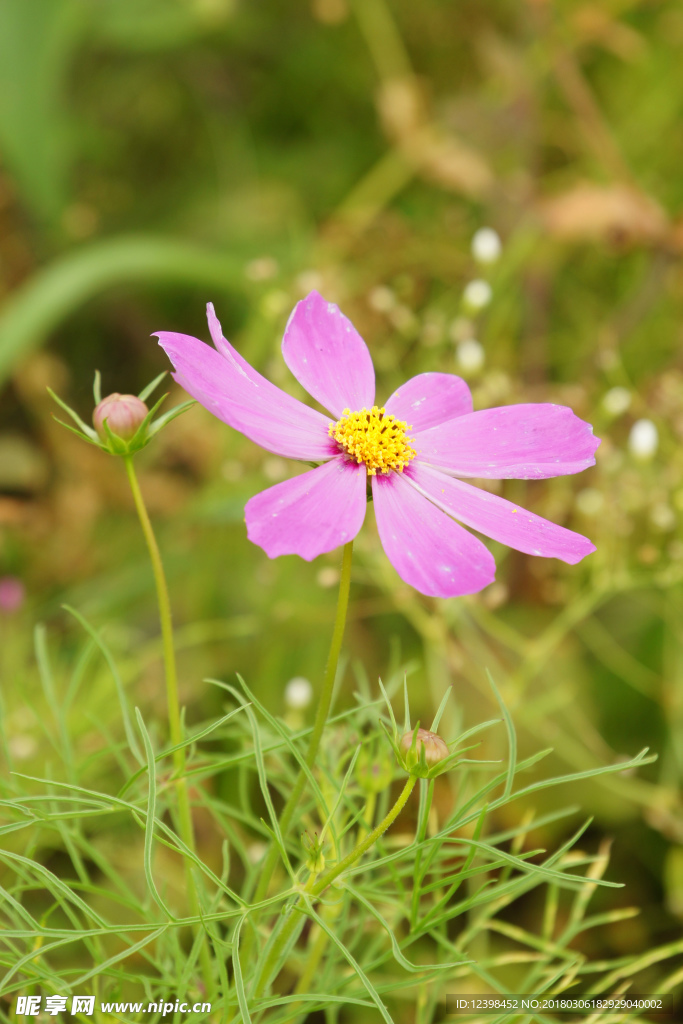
156, 154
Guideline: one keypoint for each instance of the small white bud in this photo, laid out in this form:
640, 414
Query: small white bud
256, 851
477, 294
486, 245
470, 355
298, 693
643, 440
616, 401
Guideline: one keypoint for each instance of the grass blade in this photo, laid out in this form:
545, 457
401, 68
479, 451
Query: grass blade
512, 738
151, 815
106, 654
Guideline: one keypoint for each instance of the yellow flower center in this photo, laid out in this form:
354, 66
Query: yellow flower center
374, 437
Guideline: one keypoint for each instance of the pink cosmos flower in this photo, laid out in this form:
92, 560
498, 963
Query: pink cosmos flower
415, 450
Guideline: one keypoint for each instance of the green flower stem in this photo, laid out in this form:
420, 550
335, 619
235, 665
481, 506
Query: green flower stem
324, 704
312, 964
329, 876
325, 701
315, 886
184, 812
426, 794
329, 913
164, 617
368, 815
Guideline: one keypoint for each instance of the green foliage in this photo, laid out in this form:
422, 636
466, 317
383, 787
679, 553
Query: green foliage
392, 915
38, 39
45, 300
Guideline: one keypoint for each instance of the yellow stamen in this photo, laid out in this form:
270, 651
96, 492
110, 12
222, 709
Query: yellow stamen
374, 437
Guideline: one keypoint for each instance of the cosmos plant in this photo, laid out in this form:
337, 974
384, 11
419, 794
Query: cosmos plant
415, 457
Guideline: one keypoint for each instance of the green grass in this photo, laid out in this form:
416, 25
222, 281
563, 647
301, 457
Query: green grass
393, 916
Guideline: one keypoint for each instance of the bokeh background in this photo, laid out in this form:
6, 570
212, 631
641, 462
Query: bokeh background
156, 154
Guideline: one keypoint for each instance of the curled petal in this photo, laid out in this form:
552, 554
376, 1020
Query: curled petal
310, 514
328, 357
429, 399
429, 550
522, 442
497, 518
233, 391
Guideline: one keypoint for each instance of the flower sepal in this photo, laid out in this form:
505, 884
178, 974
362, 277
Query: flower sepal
123, 424
421, 751
314, 849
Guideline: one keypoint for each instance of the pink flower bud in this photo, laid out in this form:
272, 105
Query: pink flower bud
434, 747
12, 594
123, 413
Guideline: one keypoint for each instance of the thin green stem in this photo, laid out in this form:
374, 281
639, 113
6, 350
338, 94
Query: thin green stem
426, 794
171, 673
325, 701
323, 881
365, 824
329, 912
324, 704
383, 38
165, 619
329, 876
314, 957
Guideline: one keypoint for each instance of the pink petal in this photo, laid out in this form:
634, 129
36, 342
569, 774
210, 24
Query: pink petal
429, 550
515, 441
234, 392
328, 357
312, 513
497, 518
429, 399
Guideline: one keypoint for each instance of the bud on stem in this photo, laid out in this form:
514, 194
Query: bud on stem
428, 743
123, 413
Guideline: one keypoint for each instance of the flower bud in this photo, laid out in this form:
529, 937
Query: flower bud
12, 594
486, 245
643, 440
470, 354
616, 401
298, 693
315, 858
123, 413
435, 748
477, 294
